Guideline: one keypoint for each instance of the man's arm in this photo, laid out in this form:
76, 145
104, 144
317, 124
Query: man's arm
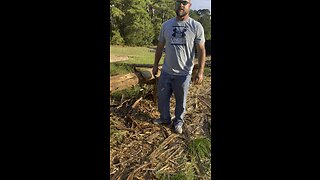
201, 61
157, 57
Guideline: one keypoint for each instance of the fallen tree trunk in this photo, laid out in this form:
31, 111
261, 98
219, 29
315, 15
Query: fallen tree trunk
208, 64
143, 74
120, 82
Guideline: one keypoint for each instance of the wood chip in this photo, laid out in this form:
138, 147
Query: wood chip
136, 103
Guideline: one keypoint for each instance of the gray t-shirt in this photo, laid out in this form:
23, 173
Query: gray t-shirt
180, 38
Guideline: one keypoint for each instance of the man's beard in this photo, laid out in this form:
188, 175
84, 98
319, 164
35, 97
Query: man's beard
181, 14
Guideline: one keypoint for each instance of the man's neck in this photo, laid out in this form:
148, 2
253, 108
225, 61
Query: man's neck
184, 18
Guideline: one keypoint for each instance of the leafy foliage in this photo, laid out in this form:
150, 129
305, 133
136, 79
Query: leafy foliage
194, 15
116, 38
204, 17
137, 27
138, 22
160, 11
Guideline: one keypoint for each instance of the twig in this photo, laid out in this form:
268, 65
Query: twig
208, 91
182, 164
163, 144
203, 101
122, 103
115, 122
180, 153
130, 177
123, 173
163, 167
124, 128
166, 151
133, 121
195, 129
149, 169
158, 166
134, 157
174, 162
117, 175
136, 103
152, 136
172, 154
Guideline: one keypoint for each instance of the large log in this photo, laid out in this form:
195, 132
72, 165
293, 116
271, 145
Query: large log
195, 62
120, 82
142, 75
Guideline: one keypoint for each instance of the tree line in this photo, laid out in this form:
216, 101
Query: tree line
138, 22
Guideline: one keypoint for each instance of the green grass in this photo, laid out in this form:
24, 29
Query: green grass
187, 174
200, 147
120, 69
116, 136
207, 71
179, 176
136, 55
135, 91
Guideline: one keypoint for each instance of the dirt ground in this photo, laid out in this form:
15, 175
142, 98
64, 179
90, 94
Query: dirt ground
114, 58
141, 150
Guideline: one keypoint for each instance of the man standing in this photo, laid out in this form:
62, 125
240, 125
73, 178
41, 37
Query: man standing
180, 36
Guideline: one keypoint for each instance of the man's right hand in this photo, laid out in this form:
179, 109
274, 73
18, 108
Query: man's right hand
155, 70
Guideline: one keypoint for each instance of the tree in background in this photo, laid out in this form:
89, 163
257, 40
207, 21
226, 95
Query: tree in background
136, 26
160, 11
205, 20
194, 15
204, 17
116, 16
138, 22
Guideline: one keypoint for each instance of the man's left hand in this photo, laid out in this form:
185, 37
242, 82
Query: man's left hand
199, 78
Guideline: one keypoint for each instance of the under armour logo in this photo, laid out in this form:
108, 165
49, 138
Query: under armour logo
178, 32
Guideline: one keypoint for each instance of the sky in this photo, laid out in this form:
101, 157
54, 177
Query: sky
201, 4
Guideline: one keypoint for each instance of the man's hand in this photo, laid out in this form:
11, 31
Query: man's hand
155, 70
199, 78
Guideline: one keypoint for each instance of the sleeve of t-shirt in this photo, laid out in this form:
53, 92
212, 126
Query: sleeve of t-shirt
200, 35
161, 35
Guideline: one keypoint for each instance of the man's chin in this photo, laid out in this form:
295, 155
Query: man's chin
181, 15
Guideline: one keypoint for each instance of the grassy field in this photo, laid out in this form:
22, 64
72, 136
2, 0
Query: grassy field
119, 68
136, 55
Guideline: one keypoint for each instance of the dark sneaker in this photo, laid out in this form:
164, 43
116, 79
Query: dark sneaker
161, 121
178, 128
